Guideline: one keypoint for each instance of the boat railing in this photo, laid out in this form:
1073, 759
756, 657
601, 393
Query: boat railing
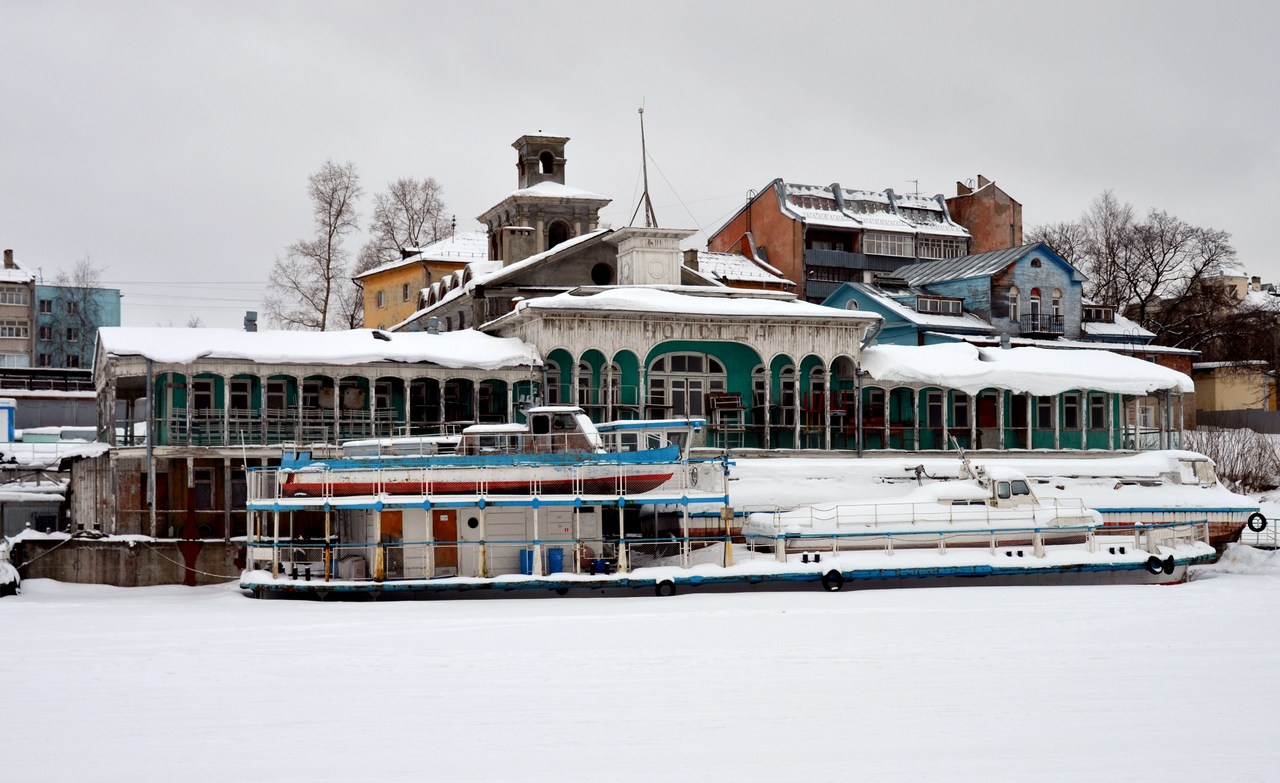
307, 560
915, 514
692, 477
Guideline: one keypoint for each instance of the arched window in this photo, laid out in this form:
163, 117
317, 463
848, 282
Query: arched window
557, 232
547, 163
1015, 308
680, 382
852, 304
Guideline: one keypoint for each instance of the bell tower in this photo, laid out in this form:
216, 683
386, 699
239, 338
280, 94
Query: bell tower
540, 159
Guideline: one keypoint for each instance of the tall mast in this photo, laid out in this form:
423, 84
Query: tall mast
650, 220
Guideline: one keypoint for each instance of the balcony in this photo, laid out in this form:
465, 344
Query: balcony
1042, 325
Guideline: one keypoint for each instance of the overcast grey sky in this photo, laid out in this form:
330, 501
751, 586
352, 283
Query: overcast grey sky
171, 142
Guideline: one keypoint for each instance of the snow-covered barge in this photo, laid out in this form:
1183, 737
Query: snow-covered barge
557, 532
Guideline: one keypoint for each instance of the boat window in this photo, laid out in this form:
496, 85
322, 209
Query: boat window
1020, 488
1002, 490
564, 421
540, 425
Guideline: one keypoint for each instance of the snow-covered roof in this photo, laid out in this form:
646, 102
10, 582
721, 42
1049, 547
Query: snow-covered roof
462, 348
498, 274
868, 209
549, 189
1120, 327
1038, 371
1087, 345
692, 301
737, 267
971, 266
466, 247
965, 321
15, 275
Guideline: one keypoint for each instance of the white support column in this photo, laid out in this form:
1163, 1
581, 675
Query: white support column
884, 418
408, 406
973, 421
226, 498
537, 545
1137, 425
190, 401
337, 411
915, 419
262, 409
1082, 413
826, 408
1000, 400
1031, 419
1057, 421
768, 393
298, 427
1111, 420
226, 410
373, 406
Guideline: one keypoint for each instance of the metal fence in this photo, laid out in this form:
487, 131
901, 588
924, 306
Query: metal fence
1259, 421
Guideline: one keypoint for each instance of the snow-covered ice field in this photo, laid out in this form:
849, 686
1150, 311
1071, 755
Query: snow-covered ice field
974, 683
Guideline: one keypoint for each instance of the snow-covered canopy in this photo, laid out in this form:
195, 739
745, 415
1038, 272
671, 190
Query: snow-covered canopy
657, 300
1039, 371
463, 348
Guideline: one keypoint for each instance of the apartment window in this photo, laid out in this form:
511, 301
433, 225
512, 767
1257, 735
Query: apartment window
45, 332
203, 486
241, 394
14, 360
960, 410
277, 395
44, 360
1044, 412
1097, 412
73, 334
14, 295
940, 247
933, 409
876, 244
46, 306
1057, 304
73, 307
382, 298
202, 394
73, 361
1071, 412
1015, 308
404, 292
15, 329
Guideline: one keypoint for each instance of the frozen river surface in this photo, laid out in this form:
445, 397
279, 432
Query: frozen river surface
974, 683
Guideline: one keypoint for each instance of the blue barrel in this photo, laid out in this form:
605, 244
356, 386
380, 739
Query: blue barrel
599, 566
526, 561
555, 559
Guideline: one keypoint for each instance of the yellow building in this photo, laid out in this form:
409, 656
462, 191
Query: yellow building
391, 290
1233, 386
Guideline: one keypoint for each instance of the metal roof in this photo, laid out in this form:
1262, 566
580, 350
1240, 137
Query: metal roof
980, 265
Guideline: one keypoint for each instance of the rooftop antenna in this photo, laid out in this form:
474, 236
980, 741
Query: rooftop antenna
650, 221
916, 183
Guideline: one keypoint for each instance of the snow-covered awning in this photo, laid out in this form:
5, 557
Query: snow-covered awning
463, 348
697, 301
1039, 371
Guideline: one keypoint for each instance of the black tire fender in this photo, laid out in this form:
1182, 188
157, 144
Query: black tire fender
1155, 565
1257, 522
664, 588
1169, 564
832, 581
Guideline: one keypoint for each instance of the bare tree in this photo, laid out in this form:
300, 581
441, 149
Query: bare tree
67, 323
306, 286
408, 214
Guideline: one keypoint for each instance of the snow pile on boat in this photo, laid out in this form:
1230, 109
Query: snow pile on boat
1241, 559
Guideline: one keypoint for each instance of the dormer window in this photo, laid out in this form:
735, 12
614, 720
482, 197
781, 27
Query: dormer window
939, 305
1098, 314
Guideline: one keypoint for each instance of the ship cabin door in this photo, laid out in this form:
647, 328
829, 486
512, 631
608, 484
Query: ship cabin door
444, 528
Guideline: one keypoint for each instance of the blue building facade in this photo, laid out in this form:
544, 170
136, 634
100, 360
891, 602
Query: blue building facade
67, 319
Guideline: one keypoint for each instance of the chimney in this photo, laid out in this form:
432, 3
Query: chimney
8, 260
691, 259
1255, 283
962, 189
983, 181
250, 321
